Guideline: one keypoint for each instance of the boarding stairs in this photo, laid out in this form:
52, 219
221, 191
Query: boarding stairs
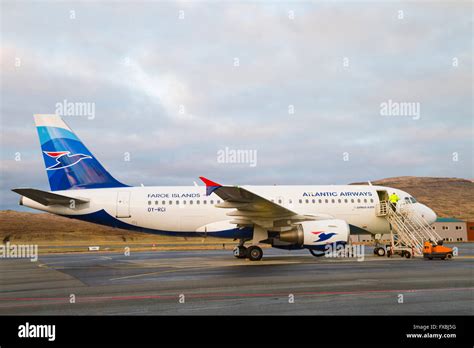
409, 229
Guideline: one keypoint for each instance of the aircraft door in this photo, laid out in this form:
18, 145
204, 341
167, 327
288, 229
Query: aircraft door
123, 204
382, 195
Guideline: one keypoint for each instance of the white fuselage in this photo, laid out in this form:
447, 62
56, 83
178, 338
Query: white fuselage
175, 209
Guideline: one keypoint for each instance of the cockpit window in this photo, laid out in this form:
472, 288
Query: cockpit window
410, 200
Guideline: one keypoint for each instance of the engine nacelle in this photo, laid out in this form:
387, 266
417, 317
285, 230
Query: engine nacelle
317, 233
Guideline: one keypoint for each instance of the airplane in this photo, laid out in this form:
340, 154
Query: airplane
285, 217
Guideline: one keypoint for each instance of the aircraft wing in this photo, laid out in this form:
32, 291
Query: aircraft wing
48, 198
251, 208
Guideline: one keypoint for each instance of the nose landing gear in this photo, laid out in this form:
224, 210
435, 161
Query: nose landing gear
380, 251
379, 248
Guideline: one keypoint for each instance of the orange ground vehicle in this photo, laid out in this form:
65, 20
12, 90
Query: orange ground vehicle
432, 251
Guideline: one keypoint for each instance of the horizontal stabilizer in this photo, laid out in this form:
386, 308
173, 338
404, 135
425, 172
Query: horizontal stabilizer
48, 198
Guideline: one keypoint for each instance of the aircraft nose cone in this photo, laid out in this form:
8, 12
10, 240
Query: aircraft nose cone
432, 218
429, 215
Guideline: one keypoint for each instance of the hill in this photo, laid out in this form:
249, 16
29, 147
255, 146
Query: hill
448, 197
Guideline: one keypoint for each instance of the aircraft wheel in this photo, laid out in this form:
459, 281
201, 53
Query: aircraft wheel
376, 250
254, 253
407, 255
381, 252
449, 256
240, 252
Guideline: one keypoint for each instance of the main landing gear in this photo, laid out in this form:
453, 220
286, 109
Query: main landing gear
253, 252
240, 252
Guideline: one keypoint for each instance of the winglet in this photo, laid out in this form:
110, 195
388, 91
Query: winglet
211, 186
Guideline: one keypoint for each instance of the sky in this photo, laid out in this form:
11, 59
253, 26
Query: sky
300, 85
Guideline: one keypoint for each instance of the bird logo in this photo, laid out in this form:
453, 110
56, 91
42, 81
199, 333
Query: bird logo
64, 159
323, 236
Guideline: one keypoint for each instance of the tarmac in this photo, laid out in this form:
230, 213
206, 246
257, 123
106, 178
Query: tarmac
213, 282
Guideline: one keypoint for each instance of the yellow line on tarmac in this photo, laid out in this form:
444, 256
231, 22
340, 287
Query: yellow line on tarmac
208, 266
156, 273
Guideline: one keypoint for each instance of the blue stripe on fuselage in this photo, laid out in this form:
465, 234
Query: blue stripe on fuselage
103, 218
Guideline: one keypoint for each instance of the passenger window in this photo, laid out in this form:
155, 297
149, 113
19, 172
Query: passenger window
326, 201
345, 201
164, 202
184, 202
149, 202
338, 201
365, 200
290, 201
204, 202
197, 202
333, 201
191, 202
301, 201
177, 202
358, 201
211, 202
307, 201
170, 202
314, 201
371, 200
320, 201
218, 201
279, 201
352, 200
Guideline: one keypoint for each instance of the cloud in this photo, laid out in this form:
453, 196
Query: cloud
167, 90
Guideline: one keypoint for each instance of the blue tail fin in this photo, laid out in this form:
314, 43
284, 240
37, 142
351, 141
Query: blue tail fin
69, 164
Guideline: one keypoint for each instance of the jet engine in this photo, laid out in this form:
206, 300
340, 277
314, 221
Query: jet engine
314, 233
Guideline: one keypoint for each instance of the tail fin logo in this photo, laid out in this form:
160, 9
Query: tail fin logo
64, 159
